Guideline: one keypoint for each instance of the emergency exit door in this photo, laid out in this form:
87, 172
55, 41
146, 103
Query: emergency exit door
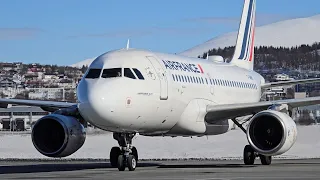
162, 77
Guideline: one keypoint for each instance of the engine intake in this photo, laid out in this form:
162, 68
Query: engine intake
271, 132
57, 135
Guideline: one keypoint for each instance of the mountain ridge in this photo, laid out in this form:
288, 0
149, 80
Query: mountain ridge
277, 34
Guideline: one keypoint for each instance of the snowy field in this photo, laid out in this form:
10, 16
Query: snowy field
226, 146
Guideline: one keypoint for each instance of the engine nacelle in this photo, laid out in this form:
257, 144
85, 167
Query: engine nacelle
271, 132
56, 135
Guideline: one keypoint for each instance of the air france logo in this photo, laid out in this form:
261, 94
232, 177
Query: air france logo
183, 66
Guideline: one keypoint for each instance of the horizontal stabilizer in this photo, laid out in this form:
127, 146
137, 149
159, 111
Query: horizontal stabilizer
289, 83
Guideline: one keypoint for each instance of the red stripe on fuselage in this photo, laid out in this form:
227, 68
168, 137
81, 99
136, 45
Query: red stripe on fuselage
201, 70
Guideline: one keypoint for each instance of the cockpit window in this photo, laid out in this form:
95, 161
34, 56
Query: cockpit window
128, 73
138, 73
111, 73
93, 73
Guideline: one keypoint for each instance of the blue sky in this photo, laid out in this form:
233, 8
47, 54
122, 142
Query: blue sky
64, 32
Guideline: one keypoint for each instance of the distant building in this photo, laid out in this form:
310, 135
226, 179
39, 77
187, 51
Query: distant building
282, 77
300, 95
46, 93
20, 117
7, 83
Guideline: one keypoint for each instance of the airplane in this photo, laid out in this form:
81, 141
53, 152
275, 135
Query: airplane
134, 91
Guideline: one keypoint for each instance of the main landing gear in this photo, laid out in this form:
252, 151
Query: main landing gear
249, 155
126, 155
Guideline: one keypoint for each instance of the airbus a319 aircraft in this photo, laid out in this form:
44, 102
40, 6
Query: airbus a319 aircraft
132, 91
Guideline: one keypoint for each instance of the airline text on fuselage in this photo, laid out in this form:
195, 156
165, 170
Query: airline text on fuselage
173, 65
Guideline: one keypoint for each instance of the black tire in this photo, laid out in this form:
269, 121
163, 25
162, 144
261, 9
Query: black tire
132, 163
265, 160
114, 154
248, 155
121, 163
135, 153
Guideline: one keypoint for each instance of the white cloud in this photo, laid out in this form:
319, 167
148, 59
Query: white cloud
18, 33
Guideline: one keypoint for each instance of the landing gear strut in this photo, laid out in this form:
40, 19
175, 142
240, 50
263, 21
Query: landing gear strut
249, 155
126, 155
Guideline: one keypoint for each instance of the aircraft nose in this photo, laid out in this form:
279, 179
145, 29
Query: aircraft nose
96, 103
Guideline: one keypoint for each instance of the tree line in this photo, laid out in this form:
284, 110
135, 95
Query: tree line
303, 57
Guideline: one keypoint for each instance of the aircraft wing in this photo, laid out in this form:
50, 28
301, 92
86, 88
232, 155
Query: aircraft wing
229, 111
289, 83
46, 105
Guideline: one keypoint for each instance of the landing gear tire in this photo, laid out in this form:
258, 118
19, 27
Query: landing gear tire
114, 154
121, 163
132, 163
265, 160
135, 153
248, 155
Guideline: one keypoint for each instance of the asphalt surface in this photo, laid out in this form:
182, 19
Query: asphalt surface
164, 170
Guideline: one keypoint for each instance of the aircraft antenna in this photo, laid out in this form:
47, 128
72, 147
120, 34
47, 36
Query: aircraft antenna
128, 44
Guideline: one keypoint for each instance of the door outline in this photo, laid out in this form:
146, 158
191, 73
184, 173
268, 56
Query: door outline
211, 81
161, 74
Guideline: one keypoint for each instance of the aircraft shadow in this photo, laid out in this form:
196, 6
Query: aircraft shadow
181, 166
55, 167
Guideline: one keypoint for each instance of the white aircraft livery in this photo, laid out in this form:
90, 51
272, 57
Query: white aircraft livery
132, 91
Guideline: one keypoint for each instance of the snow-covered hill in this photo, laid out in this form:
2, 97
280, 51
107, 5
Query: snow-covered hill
286, 33
85, 62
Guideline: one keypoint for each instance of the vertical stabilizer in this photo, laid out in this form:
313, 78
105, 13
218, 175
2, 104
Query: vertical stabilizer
244, 51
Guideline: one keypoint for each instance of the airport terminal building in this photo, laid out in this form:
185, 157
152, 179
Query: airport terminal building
19, 118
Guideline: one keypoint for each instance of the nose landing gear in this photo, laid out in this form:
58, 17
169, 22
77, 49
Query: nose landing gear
126, 155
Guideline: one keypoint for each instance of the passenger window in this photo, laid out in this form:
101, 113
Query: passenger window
111, 73
138, 73
128, 73
93, 74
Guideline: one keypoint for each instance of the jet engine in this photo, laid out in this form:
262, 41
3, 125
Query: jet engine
271, 132
57, 135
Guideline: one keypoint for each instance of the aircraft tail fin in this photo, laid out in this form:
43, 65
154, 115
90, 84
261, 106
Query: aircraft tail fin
244, 51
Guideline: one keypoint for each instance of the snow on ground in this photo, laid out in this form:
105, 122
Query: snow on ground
226, 146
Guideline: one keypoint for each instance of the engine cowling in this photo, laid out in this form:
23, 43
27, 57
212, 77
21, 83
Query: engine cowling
271, 132
57, 135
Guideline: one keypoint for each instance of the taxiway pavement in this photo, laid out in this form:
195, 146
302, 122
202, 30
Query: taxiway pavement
161, 170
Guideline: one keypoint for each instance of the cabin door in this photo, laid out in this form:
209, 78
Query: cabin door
162, 77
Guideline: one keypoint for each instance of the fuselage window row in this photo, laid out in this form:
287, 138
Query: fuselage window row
218, 82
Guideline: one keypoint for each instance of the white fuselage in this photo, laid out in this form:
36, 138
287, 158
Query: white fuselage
169, 100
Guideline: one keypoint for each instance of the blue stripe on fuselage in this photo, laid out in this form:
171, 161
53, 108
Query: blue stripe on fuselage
245, 39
